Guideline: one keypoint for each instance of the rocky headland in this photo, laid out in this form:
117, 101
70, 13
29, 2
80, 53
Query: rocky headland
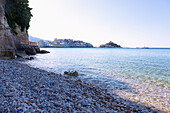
13, 35
7, 40
110, 45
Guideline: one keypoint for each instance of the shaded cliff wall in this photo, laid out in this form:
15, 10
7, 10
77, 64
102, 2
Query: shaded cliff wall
10, 42
7, 43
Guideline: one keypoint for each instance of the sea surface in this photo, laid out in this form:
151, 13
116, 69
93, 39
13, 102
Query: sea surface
104, 63
139, 75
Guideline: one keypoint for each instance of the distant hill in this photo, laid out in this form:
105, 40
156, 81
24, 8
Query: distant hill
110, 45
35, 39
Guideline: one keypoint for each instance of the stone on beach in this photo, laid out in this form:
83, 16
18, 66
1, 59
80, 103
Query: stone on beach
27, 89
43, 51
30, 51
71, 73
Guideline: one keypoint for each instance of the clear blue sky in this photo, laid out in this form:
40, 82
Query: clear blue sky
130, 23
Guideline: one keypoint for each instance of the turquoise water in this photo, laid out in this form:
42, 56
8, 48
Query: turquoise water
105, 64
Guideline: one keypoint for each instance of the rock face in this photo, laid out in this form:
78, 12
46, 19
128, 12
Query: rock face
14, 44
22, 36
7, 41
10, 42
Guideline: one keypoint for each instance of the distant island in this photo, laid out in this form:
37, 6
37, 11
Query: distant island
60, 43
110, 45
67, 43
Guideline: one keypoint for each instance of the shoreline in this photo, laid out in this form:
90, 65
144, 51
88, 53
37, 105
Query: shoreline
27, 89
109, 48
146, 93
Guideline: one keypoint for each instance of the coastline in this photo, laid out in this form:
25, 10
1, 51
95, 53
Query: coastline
27, 89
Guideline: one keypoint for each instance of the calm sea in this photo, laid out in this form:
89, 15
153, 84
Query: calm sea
102, 66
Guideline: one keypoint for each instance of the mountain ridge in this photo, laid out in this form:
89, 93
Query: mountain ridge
35, 39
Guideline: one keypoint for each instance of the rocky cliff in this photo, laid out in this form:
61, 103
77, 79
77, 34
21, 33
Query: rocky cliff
9, 41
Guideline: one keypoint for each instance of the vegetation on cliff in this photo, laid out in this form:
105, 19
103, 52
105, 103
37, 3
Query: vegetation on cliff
18, 12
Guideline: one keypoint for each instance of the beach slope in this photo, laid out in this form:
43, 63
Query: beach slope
27, 89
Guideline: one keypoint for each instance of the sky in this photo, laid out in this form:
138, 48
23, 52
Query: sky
129, 23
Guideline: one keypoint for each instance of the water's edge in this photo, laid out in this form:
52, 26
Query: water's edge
149, 89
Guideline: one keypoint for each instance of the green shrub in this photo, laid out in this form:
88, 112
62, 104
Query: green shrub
18, 12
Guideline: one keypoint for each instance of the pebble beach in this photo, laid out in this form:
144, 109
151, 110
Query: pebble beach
27, 89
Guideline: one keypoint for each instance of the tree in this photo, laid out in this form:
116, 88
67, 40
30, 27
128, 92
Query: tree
18, 12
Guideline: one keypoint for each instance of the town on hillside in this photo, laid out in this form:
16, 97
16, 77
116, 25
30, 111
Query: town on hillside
62, 43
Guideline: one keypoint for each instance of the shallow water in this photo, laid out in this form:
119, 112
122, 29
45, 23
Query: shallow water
134, 74
153, 64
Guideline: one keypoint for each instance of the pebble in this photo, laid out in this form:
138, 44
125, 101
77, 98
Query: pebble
28, 89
